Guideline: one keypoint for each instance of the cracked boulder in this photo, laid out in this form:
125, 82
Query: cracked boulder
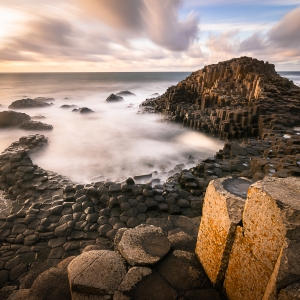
96, 272
144, 245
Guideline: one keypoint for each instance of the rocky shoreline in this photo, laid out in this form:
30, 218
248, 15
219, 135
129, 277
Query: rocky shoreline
48, 218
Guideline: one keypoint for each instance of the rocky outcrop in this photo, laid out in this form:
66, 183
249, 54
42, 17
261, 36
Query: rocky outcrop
28, 103
12, 118
35, 125
232, 99
125, 93
85, 110
68, 106
104, 273
259, 257
114, 98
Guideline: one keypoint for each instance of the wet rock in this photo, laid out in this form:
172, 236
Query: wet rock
35, 125
144, 245
125, 93
12, 118
114, 98
85, 110
28, 103
67, 106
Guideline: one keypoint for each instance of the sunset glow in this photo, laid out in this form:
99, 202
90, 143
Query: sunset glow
145, 35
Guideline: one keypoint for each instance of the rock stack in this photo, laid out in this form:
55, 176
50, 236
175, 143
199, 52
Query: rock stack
232, 99
249, 247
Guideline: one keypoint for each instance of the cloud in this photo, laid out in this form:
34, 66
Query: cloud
55, 39
287, 32
153, 19
253, 43
227, 42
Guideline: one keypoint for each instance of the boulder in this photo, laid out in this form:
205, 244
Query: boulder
144, 245
291, 292
68, 106
85, 110
183, 271
51, 284
114, 98
182, 241
125, 93
22, 294
222, 212
35, 125
45, 99
96, 272
12, 118
28, 103
265, 255
38, 117
145, 283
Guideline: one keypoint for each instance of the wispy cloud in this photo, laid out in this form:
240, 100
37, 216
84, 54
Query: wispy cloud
153, 19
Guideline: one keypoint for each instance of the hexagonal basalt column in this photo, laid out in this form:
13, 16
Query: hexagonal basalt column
265, 255
222, 212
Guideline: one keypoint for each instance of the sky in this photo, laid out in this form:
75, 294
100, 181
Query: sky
145, 35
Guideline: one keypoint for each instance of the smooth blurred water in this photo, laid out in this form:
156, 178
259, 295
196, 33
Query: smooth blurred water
114, 141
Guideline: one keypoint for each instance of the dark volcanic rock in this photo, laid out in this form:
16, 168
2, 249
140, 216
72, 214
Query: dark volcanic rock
85, 110
38, 117
68, 106
126, 93
114, 98
35, 125
45, 99
28, 103
12, 118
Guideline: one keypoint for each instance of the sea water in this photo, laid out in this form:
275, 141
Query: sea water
115, 141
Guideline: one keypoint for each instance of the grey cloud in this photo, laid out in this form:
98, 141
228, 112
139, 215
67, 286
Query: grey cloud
153, 19
55, 39
253, 43
287, 32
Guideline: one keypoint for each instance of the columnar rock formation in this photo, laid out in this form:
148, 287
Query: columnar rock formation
232, 99
222, 213
260, 255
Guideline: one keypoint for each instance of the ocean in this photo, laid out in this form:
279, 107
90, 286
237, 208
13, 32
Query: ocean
114, 142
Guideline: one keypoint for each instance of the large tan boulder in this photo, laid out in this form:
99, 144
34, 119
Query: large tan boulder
222, 212
96, 272
144, 245
265, 256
